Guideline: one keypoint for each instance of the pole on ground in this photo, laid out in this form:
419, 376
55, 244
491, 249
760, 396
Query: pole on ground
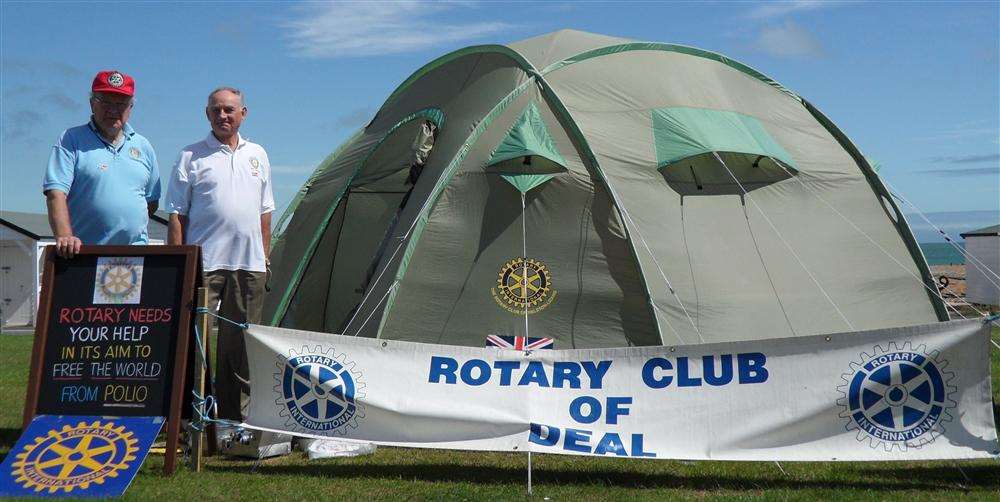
529, 472
201, 322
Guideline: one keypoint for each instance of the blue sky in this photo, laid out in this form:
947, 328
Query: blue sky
915, 85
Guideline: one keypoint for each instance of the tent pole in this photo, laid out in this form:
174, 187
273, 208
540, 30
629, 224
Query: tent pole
529, 472
524, 295
956, 464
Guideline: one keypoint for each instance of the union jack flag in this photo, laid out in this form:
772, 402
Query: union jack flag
519, 342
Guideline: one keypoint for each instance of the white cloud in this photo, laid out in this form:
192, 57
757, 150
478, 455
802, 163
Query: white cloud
973, 129
345, 29
774, 10
788, 40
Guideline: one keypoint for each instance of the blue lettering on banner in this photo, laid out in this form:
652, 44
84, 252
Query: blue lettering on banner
708, 363
657, 372
476, 372
483, 372
534, 374
751, 367
593, 409
615, 407
581, 441
683, 380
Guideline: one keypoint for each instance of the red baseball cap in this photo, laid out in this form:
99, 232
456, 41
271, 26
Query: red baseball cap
113, 81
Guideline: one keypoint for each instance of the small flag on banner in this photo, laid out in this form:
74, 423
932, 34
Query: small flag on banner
520, 342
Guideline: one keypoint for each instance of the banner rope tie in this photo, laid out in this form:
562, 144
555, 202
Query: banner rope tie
205, 406
205, 310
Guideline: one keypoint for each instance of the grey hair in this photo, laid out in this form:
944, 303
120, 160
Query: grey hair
233, 90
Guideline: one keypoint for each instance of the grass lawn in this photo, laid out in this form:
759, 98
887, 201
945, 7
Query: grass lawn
401, 473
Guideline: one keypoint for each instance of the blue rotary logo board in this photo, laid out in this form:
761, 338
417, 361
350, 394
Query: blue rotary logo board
77, 456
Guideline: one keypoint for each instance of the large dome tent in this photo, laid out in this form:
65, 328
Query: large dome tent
600, 191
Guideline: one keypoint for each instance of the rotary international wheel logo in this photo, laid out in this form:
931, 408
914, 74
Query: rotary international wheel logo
119, 279
75, 457
116, 79
897, 397
524, 286
319, 391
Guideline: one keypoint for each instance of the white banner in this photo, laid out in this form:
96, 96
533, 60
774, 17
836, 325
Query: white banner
920, 392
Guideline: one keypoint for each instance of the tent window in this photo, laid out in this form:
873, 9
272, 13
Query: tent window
703, 175
690, 142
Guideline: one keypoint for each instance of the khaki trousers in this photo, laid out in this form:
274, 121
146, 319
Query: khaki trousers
239, 295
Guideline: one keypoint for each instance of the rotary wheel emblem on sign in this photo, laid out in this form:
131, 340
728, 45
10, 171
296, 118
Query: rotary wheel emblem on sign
898, 397
75, 457
118, 280
524, 285
319, 392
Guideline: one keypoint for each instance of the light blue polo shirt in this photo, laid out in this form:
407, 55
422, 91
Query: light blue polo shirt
108, 187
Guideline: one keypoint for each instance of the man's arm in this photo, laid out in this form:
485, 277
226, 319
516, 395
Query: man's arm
176, 229
67, 244
265, 232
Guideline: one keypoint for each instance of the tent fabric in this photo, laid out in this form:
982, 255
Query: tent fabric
682, 132
521, 157
640, 234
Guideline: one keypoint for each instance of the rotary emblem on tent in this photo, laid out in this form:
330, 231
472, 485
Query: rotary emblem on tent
319, 390
524, 285
75, 457
897, 397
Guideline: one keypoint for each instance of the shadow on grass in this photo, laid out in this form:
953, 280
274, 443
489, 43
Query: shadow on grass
996, 411
933, 478
9, 436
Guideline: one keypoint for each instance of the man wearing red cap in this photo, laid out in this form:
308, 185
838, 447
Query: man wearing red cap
102, 180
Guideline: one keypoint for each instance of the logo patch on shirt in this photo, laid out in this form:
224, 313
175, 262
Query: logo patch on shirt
116, 79
134, 152
254, 167
103, 167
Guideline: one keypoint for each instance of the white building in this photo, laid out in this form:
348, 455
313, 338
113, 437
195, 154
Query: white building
23, 237
983, 247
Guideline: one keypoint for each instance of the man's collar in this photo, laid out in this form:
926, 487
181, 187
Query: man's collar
127, 131
214, 142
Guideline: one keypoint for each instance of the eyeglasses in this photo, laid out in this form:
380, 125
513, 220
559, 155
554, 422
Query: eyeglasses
114, 105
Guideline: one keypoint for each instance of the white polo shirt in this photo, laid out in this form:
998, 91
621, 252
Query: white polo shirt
223, 193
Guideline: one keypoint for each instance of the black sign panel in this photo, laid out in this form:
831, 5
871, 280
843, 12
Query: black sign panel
112, 334
112, 322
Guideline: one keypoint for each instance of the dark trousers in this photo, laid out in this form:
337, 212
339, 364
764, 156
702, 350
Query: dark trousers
239, 295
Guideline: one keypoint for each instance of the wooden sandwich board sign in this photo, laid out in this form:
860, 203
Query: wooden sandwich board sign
113, 335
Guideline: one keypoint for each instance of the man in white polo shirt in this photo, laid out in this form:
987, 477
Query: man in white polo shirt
220, 198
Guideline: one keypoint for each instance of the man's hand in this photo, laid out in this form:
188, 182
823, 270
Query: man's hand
176, 228
67, 247
67, 244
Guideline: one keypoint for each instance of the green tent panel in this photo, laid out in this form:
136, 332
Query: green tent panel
527, 156
664, 195
682, 132
525, 182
